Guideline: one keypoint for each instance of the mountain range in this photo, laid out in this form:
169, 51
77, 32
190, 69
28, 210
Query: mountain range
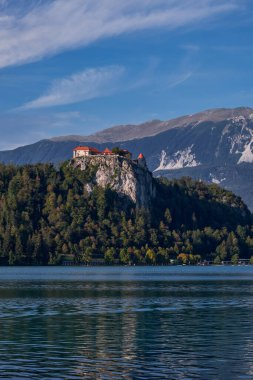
215, 146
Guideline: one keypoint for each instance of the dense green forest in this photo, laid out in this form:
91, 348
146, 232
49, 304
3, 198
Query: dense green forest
47, 216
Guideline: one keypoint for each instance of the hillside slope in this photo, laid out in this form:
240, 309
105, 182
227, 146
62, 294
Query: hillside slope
48, 215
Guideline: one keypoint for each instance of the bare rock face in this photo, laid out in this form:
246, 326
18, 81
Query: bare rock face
128, 178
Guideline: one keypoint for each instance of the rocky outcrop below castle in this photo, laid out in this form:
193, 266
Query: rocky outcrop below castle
130, 179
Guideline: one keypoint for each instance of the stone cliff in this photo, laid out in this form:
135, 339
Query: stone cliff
126, 177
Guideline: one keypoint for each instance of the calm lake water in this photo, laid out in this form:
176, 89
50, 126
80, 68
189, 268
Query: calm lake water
126, 323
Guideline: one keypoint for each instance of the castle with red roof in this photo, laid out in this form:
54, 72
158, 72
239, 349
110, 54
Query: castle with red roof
84, 151
81, 151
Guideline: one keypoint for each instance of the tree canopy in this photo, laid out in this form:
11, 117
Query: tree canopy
46, 215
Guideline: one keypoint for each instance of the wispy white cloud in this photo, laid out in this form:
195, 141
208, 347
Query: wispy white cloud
47, 27
186, 68
179, 79
99, 82
88, 84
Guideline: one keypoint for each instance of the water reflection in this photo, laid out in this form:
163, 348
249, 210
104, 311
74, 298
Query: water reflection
125, 326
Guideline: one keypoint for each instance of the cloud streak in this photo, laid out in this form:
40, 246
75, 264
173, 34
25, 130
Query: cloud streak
46, 28
179, 79
88, 84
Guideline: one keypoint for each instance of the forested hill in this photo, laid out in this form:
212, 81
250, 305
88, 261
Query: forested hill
47, 216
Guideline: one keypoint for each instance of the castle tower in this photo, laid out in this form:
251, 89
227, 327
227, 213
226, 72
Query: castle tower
142, 161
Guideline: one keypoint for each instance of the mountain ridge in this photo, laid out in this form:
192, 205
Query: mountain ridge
124, 132
214, 146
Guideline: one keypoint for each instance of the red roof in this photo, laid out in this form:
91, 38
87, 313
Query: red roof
87, 149
140, 156
107, 151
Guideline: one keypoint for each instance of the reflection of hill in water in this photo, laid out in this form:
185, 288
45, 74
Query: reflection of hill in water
105, 323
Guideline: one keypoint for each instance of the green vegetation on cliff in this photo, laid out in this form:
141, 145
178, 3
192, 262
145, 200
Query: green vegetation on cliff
46, 214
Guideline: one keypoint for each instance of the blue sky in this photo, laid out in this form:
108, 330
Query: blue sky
76, 67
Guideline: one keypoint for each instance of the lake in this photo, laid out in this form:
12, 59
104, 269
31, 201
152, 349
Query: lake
126, 322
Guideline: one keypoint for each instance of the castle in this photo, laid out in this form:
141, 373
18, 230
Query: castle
84, 151
115, 169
